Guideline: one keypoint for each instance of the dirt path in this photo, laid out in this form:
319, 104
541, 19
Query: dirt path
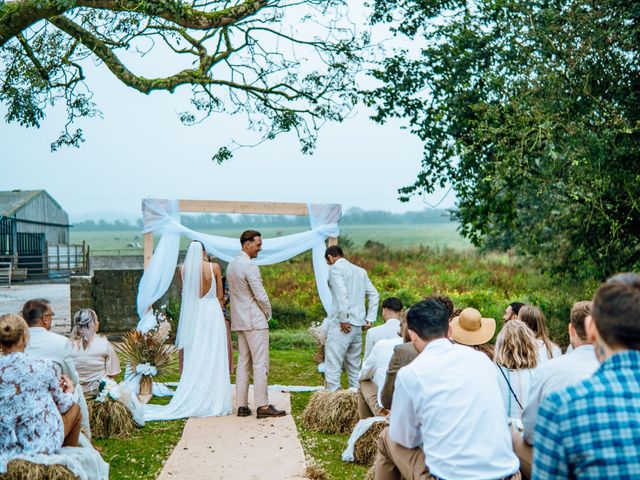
232, 448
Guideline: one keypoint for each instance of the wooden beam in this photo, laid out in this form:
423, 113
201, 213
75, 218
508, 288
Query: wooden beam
148, 248
258, 208
331, 241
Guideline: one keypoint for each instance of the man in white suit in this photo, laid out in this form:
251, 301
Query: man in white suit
48, 345
349, 285
250, 314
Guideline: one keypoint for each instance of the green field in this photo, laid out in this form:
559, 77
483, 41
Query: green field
395, 236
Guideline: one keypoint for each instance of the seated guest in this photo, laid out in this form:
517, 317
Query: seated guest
534, 318
403, 355
48, 345
38, 414
94, 356
391, 311
447, 419
554, 376
591, 430
516, 357
470, 329
512, 310
373, 375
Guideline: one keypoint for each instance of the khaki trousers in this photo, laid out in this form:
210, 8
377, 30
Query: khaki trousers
368, 400
524, 452
71, 419
253, 354
395, 462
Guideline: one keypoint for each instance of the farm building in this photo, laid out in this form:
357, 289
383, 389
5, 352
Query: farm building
32, 223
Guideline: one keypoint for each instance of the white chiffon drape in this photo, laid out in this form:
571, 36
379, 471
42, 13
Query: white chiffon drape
162, 217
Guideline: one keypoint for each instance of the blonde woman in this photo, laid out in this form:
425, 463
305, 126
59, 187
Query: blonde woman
37, 409
93, 354
516, 356
535, 320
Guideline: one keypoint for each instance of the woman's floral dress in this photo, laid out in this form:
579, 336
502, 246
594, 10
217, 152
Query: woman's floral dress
31, 401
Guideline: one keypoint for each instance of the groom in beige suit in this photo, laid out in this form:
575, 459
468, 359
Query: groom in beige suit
250, 314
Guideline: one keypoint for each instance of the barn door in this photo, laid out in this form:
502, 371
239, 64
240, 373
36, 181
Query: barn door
31, 252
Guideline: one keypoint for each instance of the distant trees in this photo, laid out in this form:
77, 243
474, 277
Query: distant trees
209, 221
531, 110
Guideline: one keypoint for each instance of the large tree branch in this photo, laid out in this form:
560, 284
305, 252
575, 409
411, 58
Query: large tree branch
17, 15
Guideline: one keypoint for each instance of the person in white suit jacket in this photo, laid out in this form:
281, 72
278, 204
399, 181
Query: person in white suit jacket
48, 345
349, 285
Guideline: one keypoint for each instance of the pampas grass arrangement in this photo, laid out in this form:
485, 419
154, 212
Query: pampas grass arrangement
110, 419
331, 412
23, 470
365, 448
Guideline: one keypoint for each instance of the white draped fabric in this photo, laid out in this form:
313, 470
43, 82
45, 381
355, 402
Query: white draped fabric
162, 217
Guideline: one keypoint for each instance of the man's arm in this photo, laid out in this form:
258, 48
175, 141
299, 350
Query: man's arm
368, 367
254, 279
336, 282
550, 458
403, 428
368, 344
372, 302
69, 364
386, 395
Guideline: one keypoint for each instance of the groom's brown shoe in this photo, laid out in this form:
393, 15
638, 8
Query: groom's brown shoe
244, 411
269, 411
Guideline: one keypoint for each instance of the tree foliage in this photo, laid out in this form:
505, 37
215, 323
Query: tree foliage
531, 110
241, 57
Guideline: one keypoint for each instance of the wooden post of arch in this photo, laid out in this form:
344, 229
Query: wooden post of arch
221, 206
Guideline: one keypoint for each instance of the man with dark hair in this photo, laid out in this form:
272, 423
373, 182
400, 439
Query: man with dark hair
250, 315
447, 419
512, 310
391, 311
591, 430
349, 285
554, 376
46, 344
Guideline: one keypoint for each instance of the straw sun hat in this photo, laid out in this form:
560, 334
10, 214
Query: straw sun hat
469, 328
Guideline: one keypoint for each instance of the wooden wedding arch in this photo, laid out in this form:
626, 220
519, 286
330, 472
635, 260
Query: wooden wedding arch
224, 206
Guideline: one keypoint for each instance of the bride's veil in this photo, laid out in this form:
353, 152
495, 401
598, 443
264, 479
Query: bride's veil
191, 288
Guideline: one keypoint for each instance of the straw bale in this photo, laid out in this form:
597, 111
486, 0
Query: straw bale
23, 470
331, 412
110, 419
314, 472
365, 448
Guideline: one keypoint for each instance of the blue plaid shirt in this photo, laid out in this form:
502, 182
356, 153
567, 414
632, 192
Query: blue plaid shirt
591, 430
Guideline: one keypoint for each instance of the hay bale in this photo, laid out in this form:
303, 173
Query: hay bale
331, 412
23, 470
314, 472
371, 473
110, 419
365, 448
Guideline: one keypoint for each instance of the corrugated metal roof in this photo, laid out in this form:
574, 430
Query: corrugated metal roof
11, 201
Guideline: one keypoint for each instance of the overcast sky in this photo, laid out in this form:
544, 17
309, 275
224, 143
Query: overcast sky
140, 149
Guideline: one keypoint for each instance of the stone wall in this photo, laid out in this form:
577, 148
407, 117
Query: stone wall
112, 294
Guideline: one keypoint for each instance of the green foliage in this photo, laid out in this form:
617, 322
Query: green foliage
531, 110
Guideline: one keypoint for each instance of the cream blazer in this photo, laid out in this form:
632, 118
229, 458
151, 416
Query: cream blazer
250, 306
350, 285
54, 347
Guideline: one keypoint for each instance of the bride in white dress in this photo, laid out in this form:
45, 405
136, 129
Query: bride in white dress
204, 389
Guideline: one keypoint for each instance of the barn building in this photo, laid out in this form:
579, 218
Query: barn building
30, 221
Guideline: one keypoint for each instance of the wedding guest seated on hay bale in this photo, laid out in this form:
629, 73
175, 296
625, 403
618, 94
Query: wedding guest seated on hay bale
447, 419
38, 411
391, 312
94, 356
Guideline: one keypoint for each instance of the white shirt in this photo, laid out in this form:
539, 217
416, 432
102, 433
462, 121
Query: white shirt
389, 329
520, 381
543, 355
349, 285
448, 400
375, 366
555, 375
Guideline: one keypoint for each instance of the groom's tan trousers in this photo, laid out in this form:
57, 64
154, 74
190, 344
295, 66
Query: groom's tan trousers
253, 353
